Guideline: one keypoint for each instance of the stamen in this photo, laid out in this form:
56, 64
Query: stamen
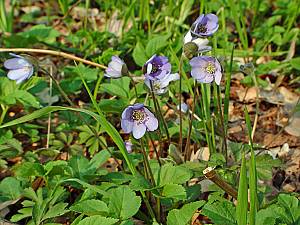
201, 28
138, 115
211, 69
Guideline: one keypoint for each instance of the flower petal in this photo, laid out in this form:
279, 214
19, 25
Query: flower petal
16, 63
168, 78
18, 74
139, 130
127, 126
218, 77
151, 123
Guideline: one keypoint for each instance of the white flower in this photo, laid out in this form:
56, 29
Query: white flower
116, 68
19, 68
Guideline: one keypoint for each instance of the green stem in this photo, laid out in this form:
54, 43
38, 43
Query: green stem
159, 113
3, 114
187, 147
180, 112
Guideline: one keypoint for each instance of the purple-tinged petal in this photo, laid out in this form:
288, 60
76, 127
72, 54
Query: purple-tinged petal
139, 130
151, 123
218, 77
127, 126
167, 79
16, 63
137, 106
19, 73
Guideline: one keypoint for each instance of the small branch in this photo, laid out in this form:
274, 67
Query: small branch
212, 175
56, 53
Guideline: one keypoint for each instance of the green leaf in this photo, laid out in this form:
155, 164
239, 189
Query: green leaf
291, 205
22, 213
99, 159
155, 44
10, 188
123, 203
29, 169
26, 98
221, 213
97, 220
264, 165
242, 206
184, 215
269, 215
139, 54
114, 90
170, 174
295, 63
90, 207
56, 210
174, 191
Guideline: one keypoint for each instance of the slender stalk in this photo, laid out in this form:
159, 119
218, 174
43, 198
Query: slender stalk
147, 162
180, 112
49, 103
187, 147
155, 150
224, 133
158, 112
56, 53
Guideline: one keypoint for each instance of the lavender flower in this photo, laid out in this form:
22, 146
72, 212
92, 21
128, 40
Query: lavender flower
116, 68
206, 69
205, 25
19, 68
138, 119
160, 86
128, 146
157, 67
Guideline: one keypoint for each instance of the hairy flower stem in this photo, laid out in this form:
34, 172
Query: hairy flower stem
180, 112
158, 111
149, 171
187, 151
155, 150
224, 133
83, 119
150, 174
56, 53
133, 84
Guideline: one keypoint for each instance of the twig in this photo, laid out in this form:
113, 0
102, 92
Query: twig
212, 175
56, 53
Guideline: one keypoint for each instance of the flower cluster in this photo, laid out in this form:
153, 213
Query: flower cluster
205, 69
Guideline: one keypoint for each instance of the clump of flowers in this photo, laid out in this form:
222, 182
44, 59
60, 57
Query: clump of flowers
19, 68
206, 69
195, 41
116, 68
158, 74
137, 119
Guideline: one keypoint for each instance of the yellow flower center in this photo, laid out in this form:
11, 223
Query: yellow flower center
211, 69
138, 115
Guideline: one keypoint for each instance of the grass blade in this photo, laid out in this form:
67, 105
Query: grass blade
242, 206
252, 174
107, 126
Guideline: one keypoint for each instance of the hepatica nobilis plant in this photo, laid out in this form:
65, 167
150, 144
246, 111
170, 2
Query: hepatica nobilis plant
143, 118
